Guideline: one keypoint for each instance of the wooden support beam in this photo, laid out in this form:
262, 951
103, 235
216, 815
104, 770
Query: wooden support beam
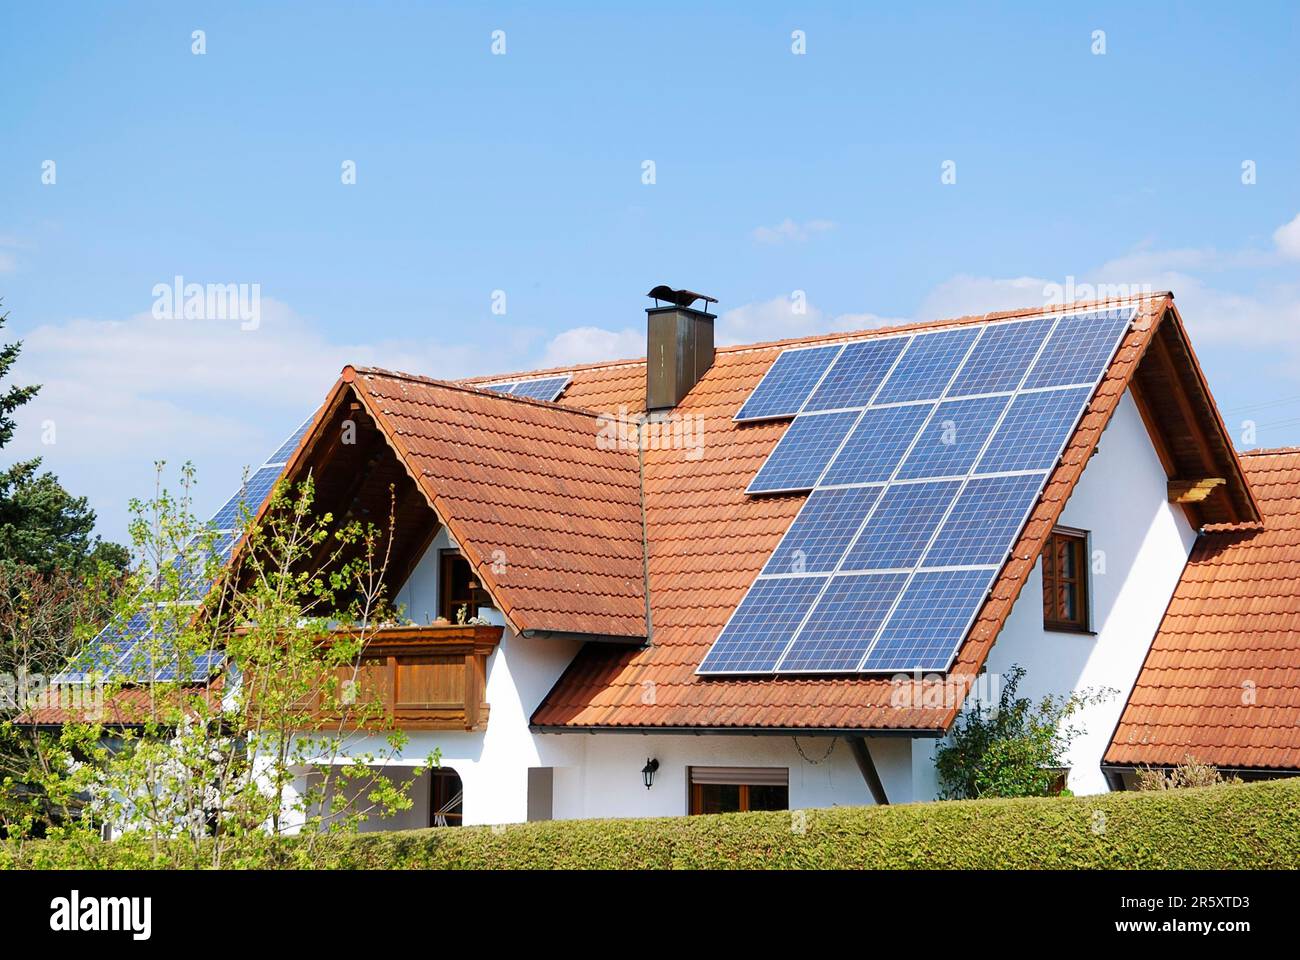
862, 754
1193, 491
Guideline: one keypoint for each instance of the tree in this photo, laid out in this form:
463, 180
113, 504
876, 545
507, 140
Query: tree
1013, 749
14, 397
41, 524
199, 765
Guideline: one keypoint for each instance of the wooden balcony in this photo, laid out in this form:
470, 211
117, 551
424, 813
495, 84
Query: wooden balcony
427, 677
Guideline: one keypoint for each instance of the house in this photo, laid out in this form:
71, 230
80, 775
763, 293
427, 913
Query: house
586, 555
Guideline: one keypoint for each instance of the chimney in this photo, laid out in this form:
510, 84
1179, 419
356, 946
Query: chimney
679, 345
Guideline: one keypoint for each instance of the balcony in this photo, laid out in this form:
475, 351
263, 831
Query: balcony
427, 677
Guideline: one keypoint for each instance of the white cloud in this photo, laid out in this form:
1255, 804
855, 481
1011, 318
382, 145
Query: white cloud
120, 394
1287, 238
592, 345
780, 319
966, 294
787, 229
7, 262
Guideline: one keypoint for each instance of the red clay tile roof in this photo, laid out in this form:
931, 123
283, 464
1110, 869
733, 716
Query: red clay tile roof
548, 516
708, 540
1221, 682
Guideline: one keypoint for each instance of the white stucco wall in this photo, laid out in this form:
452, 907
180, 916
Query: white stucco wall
1143, 542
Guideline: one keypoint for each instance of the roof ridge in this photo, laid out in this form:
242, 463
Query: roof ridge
838, 335
464, 387
1268, 451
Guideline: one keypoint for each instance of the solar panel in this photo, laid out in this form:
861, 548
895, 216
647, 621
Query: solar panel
548, 388
803, 453
757, 633
843, 623
939, 446
1034, 430
877, 444
502, 387
289, 446
898, 531
984, 521
821, 533
953, 438
132, 651
856, 374
930, 621
1080, 348
1001, 357
105, 649
927, 366
249, 497
788, 382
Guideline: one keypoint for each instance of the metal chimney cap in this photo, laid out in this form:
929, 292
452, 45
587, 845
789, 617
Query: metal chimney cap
680, 298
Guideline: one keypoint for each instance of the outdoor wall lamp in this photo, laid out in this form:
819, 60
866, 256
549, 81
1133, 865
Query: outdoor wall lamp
648, 771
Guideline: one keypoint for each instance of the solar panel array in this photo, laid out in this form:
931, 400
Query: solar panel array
547, 388
131, 651
924, 454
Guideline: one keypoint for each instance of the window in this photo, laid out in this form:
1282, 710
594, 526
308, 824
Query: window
459, 587
446, 799
1065, 581
739, 789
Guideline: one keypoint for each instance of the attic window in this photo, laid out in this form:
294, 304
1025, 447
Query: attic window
1065, 581
461, 593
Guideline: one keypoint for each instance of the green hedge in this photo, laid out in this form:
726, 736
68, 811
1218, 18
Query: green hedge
1238, 826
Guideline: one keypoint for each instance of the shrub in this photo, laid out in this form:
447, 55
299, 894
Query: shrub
1189, 773
1230, 826
1012, 749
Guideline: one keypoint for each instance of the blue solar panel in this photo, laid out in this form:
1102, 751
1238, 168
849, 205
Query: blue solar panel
105, 649
196, 668
985, 520
953, 438
930, 621
897, 533
1079, 349
547, 389
1001, 357
502, 387
928, 365
289, 446
807, 446
787, 383
1034, 431
250, 497
854, 377
877, 444
843, 623
762, 625
194, 581
953, 407
822, 531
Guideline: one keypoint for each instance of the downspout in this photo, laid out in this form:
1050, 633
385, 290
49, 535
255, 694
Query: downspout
862, 754
645, 534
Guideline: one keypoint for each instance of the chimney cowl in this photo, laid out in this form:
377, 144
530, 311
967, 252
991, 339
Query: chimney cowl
679, 345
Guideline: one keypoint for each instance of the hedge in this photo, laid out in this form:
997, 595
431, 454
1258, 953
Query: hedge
1233, 826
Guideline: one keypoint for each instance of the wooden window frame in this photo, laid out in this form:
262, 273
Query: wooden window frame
695, 791
446, 574
1080, 586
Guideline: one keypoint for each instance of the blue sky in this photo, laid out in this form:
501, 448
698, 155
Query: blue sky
522, 172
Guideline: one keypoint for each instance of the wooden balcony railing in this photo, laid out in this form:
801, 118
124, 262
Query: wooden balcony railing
426, 677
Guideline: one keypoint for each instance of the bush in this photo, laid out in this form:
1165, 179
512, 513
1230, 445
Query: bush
1014, 748
1231, 826
1189, 773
